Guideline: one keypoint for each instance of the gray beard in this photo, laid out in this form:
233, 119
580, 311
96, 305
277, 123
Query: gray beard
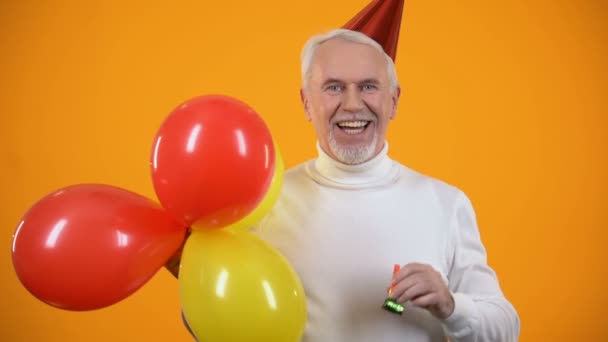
355, 154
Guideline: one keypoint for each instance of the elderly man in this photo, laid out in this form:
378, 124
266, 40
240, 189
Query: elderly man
344, 218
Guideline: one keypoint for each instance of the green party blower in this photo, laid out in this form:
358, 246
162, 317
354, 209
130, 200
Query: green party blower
390, 304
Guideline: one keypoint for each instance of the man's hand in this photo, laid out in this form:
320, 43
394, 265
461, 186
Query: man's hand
423, 287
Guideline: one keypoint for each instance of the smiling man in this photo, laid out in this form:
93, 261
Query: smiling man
350, 95
345, 218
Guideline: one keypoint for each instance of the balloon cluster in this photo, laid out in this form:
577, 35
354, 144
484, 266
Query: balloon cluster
216, 171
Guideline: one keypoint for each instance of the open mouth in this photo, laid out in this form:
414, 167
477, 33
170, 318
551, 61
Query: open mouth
353, 127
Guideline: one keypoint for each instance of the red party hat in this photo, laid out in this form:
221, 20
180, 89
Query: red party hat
381, 21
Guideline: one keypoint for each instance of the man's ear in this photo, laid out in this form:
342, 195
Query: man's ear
304, 100
395, 98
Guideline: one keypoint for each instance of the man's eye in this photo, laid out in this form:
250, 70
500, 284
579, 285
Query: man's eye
334, 88
369, 87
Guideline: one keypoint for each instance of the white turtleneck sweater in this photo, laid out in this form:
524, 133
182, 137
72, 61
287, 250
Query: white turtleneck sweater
343, 227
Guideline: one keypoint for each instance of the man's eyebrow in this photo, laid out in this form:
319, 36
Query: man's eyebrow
365, 81
331, 81
369, 80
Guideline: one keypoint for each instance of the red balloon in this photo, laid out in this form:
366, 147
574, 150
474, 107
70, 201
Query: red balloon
212, 161
88, 246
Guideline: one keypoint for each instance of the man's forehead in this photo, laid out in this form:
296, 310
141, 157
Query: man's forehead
348, 61
337, 49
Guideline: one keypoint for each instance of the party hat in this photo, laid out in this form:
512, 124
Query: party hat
381, 21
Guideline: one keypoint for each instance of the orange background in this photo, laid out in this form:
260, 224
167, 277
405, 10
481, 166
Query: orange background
504, 99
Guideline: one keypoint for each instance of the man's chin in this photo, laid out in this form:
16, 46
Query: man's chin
353, 155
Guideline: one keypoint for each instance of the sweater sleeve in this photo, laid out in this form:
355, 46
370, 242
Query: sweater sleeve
481, 313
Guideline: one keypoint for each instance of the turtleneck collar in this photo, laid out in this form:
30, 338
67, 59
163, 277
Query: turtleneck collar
378, 171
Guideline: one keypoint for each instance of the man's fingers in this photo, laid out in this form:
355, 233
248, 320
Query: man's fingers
425, 301
424, 287
417, 290
400, 287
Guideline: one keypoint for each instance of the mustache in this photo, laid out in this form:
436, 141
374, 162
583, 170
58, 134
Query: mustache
363, 116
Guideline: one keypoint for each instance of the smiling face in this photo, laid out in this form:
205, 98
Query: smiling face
349, 100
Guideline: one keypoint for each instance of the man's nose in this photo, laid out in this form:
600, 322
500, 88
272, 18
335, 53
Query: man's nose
352, 101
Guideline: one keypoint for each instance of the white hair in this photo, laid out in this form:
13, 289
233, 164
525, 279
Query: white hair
308, 52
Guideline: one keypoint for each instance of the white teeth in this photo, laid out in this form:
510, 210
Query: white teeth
353, 127
352, 124
353, 130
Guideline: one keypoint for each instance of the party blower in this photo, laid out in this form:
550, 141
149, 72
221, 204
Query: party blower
390, 304
216, 171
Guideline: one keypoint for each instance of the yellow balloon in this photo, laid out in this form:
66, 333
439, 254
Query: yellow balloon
235, 287
271, 197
